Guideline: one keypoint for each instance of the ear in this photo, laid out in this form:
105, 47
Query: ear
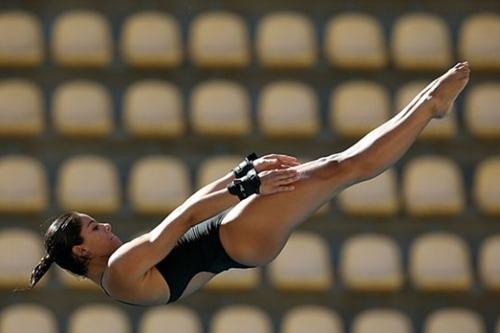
80, 251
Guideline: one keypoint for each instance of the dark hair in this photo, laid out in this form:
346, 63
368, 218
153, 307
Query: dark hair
59, 239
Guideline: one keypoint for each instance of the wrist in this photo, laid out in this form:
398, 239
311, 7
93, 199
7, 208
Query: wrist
245, 186
244, 167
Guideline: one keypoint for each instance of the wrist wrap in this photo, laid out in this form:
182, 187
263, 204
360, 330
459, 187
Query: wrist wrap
242, 169
246, 186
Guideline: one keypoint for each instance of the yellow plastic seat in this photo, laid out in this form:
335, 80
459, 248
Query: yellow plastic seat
288, 109
286, 39
371, 262
437, 129
170, 319
241, 319
151, 39
303, 264
22, 40
355, 40
82, 108
158, 184
489, 263
71, 47
153, 108
216, 167
219, 39
380, 320
21, 250
440, 261
88, 183
357, 107
24, 185
421, 41
482, 118
478, 41
220, 107
311, 318
98, 318
433, 185
27, 318
21, 108
454, 320
486, 185
376, 196
71, 281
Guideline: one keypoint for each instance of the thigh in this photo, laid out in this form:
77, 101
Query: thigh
256, 229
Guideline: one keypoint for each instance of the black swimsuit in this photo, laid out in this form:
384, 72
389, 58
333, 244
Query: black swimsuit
198, 250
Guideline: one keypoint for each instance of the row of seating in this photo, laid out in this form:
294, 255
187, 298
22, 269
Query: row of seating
437, 261
103, 318
221, 39
430, 185
153, 108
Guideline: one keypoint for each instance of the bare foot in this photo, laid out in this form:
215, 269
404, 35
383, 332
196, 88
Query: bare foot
450, 85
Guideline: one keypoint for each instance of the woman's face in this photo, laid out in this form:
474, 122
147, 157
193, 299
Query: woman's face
98, 238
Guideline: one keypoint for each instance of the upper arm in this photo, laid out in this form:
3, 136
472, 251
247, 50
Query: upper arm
136, 257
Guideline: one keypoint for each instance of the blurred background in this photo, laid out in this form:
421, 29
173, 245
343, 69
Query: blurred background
122, 109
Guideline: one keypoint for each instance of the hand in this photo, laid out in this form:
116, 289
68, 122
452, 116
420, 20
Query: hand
277, 180
274, 161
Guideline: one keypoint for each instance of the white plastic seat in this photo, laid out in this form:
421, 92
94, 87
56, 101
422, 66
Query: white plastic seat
170, 319
88, 183
381, 320
440, 129
24, 185
22, 40
151, 39
433, 185
220, 107
482, 118
454, 320
357, 107
21, 108
286, 39
478, 40
20, 251
82, 108
219, 39
303, 264
241, 319
27, 318
288, 109
371, 262
153, 108
440, 261
376, 196
311, 318
421, 41
158, 184
71, 47
355, 40
98, 318
486, 186
489, 263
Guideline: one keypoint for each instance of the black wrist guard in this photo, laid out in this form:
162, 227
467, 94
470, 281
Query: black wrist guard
245, 186
242, 169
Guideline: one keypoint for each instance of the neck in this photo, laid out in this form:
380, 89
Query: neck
96, 268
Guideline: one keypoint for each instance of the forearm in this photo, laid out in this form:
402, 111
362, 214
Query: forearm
206, 205
383, 146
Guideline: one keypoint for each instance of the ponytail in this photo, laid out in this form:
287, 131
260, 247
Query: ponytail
40, 270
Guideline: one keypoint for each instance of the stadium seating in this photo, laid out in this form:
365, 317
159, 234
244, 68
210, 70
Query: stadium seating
153, 108
98, 318
25, 47
71, 47
151, 39
27, 317
371, 262
240, 318
311, 318
21, 109
453, 320
477, 41
381, 321
486, 184
489, 267
481, 116
170, 319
